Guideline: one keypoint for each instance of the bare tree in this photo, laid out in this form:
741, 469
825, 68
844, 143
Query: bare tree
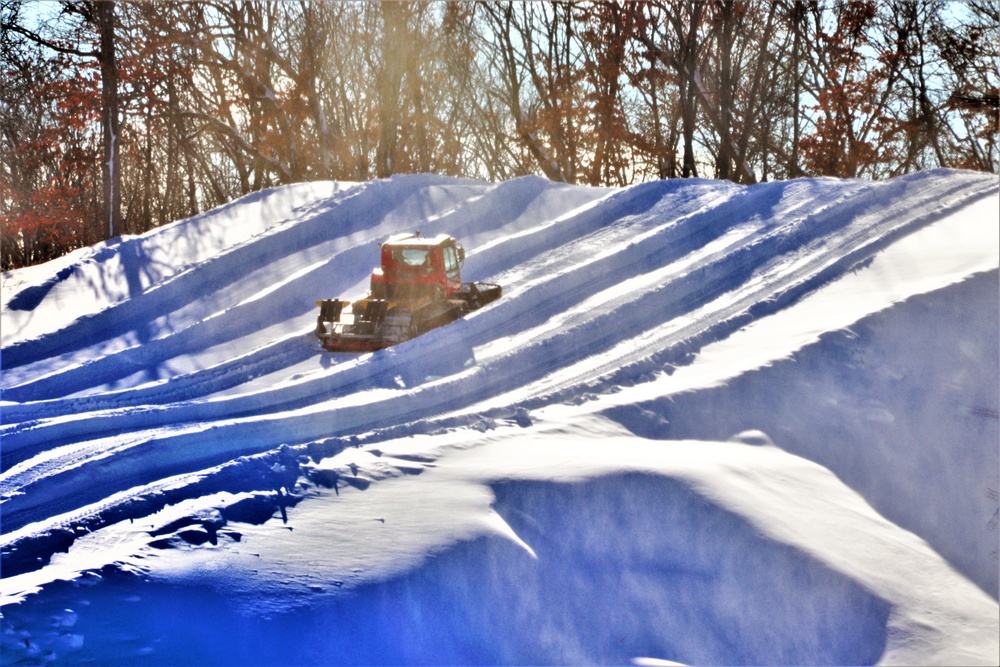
98, 18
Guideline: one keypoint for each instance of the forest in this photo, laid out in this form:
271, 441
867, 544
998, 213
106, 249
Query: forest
120, 116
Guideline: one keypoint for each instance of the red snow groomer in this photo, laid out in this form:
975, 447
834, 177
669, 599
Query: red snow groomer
418, 287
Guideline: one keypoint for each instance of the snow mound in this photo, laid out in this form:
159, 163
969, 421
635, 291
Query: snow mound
544, 481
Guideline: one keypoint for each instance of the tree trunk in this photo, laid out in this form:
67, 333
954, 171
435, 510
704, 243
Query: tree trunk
111, 177
724, 161
794, 170
394, 57
689, 96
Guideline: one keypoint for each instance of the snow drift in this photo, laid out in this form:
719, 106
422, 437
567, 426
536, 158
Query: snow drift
547, 480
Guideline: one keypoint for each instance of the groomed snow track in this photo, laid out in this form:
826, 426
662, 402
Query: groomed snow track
176, 363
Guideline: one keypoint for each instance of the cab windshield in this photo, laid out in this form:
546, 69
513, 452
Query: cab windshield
410, 257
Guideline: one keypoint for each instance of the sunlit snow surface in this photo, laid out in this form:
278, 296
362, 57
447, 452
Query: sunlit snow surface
706, 424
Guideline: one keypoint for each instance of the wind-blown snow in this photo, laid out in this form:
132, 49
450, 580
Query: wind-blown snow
706, 423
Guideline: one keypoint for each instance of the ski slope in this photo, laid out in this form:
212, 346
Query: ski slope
774, 405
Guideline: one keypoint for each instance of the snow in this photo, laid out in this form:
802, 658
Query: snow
705, 424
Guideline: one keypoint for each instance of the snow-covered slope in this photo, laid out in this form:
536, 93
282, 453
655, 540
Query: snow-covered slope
547, 480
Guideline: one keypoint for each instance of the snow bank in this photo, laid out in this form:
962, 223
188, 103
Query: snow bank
542, 481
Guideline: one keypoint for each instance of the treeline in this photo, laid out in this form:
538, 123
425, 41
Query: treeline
121, 116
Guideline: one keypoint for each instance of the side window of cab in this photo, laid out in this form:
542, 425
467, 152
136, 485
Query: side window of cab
451, 263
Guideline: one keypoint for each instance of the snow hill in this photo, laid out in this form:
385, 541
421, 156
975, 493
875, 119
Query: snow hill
705, 423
